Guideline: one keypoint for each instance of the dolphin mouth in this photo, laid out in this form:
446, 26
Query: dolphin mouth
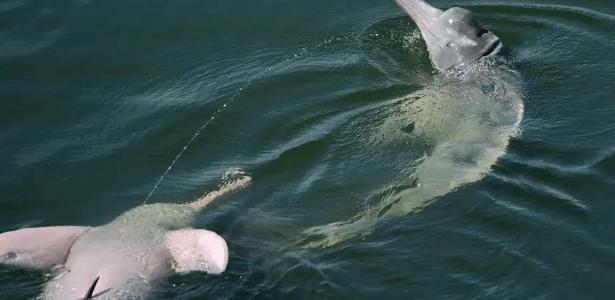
424, 15
495, 48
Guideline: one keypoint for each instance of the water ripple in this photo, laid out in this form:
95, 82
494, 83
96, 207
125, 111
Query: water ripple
11, 5
14, 47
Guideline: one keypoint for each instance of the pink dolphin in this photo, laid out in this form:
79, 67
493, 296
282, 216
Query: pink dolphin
125, 259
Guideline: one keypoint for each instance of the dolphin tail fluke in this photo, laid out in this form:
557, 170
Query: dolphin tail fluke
38, 248
442, 172
329, 235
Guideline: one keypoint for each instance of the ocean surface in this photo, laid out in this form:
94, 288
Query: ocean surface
105, 105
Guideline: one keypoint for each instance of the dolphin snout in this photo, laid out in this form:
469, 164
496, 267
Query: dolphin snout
424, 15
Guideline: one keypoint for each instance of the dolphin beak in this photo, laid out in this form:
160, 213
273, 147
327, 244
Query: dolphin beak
424, 15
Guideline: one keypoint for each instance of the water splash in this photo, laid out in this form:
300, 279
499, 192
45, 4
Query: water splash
194, 136
273, 69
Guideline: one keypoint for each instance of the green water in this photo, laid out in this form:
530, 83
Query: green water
98, 98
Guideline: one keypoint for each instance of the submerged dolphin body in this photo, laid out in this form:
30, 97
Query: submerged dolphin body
467, 116
125, 259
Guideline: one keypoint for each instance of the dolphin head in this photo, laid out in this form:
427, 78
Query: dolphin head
454, 37
197, 250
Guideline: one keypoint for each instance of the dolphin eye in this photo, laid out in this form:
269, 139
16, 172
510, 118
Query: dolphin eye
8, 256
482, 31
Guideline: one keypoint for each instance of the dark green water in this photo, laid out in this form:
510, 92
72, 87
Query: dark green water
97, 98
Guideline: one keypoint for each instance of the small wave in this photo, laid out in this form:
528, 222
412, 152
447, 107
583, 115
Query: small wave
11, 5
524, 9
15, 47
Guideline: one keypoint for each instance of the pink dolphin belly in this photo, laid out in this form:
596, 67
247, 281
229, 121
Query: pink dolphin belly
127, 266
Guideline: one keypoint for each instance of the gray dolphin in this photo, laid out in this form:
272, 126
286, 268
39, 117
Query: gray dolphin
125, 259
466, 117
454, 37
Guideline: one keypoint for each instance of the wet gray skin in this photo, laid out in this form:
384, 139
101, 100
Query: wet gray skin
454, 37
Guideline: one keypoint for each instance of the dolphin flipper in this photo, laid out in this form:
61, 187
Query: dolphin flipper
197, 250
38, 248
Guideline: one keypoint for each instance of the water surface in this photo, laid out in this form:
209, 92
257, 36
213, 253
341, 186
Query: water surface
98, 98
